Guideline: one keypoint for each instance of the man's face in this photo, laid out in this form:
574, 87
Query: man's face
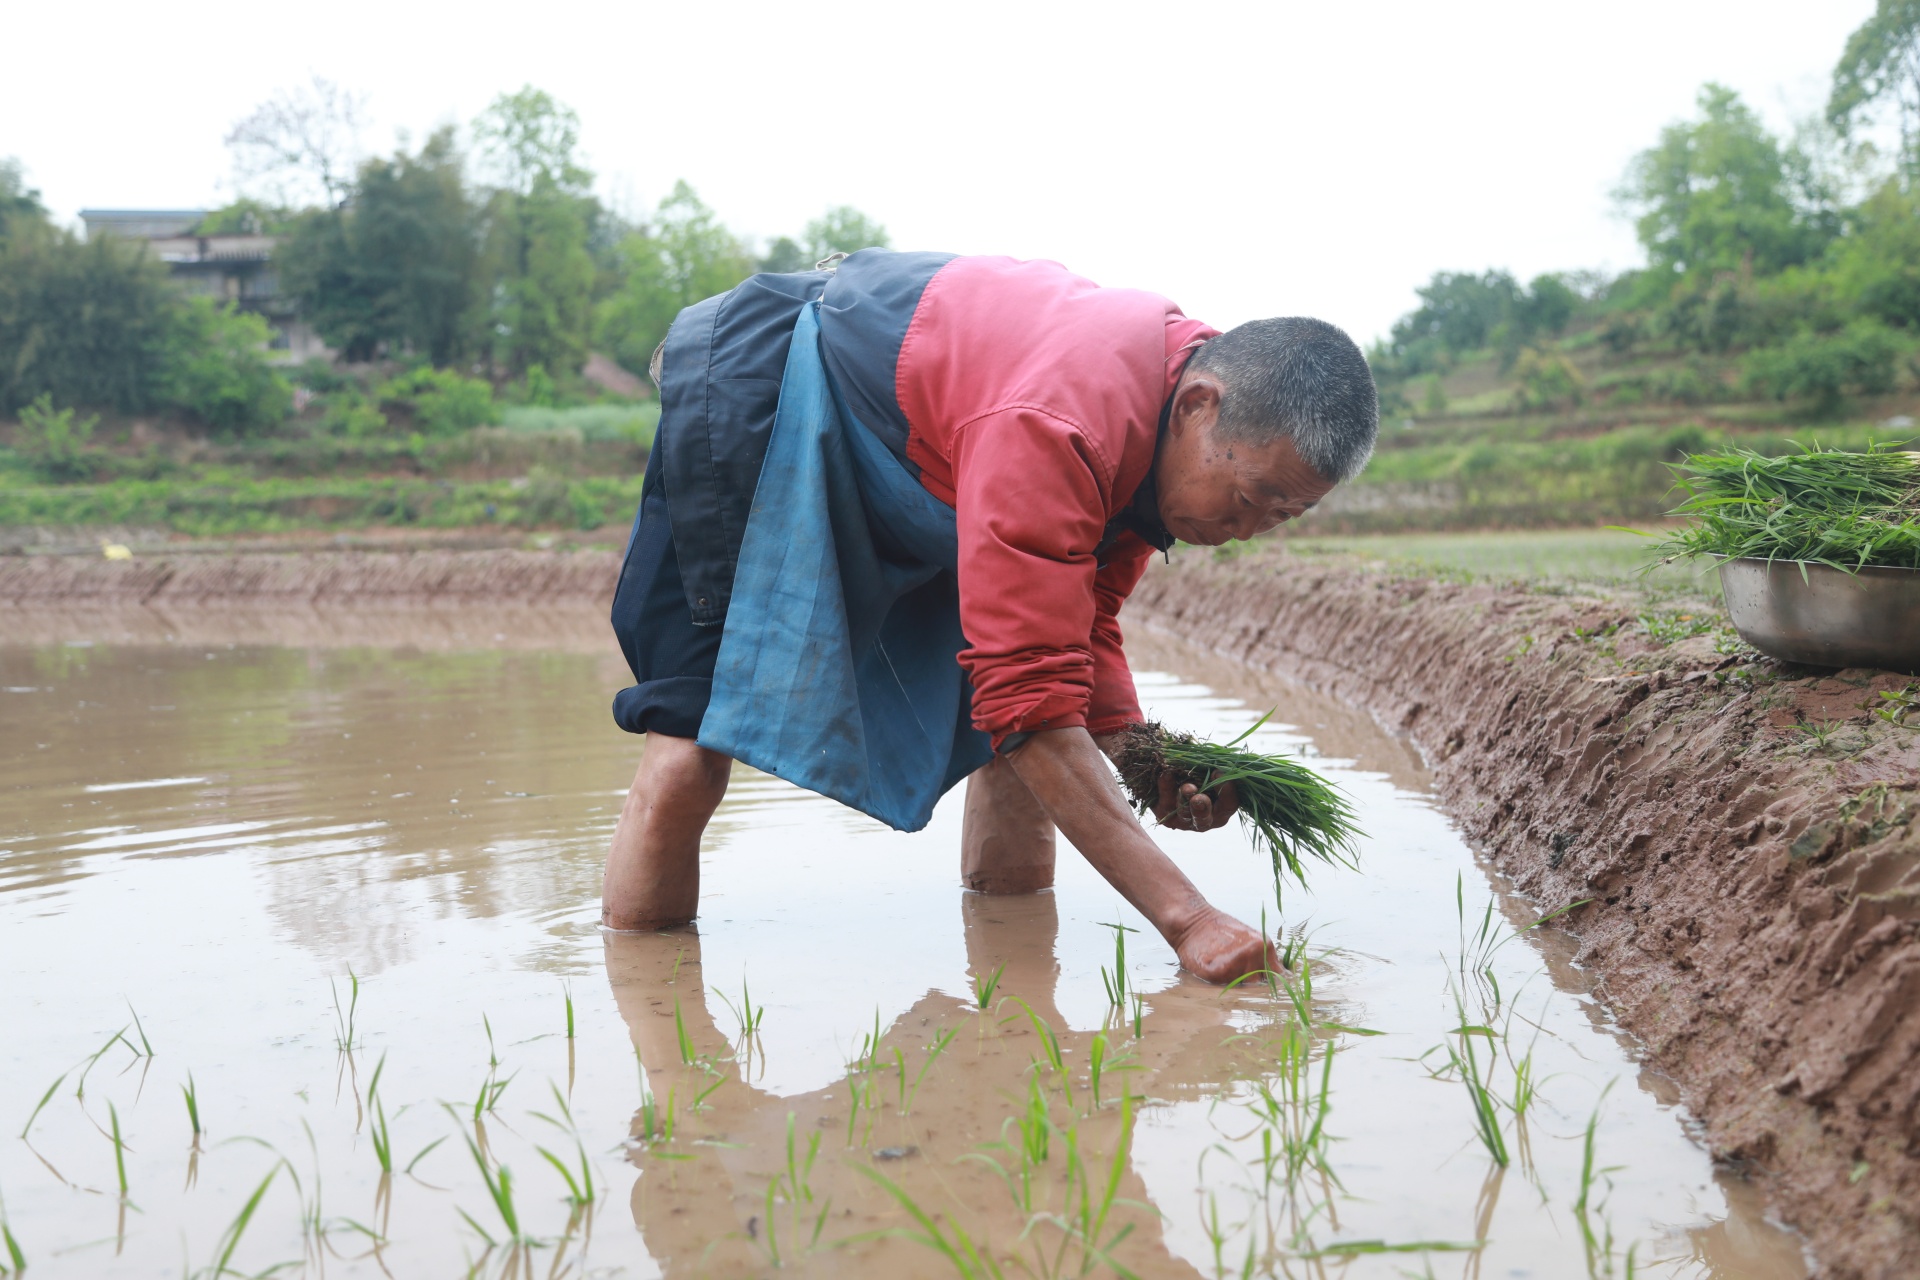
1214, 491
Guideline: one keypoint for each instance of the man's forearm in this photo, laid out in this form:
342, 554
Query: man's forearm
1068, 775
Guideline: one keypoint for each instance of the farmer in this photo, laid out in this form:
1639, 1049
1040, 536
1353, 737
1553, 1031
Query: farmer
893, 508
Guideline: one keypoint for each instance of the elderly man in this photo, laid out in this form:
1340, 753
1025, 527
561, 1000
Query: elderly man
893, 510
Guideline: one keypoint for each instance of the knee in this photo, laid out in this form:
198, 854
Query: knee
683, 769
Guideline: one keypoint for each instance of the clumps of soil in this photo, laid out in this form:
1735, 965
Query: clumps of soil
1746, 835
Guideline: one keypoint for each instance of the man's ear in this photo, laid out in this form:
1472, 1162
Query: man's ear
1196, 402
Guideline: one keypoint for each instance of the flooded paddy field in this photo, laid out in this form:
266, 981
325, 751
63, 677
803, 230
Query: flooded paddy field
304, 970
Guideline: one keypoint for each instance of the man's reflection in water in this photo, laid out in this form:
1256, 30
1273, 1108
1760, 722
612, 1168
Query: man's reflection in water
708, 1214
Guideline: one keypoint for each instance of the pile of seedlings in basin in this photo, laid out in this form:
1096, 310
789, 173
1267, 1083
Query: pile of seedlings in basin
1819, 506
1292, 810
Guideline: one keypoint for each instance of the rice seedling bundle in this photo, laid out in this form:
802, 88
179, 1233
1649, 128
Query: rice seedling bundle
1292, 810
1821, 506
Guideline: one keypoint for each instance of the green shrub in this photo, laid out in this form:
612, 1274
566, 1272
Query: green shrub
1822, 367
1546, 381
55, 444
438, 402
216, 369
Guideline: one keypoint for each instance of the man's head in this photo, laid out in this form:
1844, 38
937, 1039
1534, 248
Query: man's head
1267, 418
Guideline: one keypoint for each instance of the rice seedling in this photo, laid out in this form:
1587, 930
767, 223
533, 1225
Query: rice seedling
422, 1154
983, 988
229, 1242
488, 1099
119, 1150
343, 1029
747, 1014
1465, 1062
378, 1131
16, 1256
1293, 811
145, 1050
969, 1260
493, 1056
1116, 983
941, 1040
1050, 1046
118, 1037
1819, 506
1139, 1013
41, 1105
191, 1093
567, 992
687, 1053
498, 1180
1096, 1064
794, 1188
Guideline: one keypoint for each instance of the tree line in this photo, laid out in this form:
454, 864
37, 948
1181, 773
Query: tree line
483, 254
1793, 262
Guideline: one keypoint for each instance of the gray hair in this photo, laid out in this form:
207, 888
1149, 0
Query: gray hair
1300, 378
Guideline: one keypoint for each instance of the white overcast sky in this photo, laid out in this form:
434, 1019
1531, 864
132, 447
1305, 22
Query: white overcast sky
1245, 159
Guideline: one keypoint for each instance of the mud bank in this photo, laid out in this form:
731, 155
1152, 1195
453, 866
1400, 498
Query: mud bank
1755, 913
310, 577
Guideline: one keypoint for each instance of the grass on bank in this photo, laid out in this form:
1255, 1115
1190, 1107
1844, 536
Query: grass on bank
229, 505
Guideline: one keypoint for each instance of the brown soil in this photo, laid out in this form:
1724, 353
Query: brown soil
1755, 913
311, 577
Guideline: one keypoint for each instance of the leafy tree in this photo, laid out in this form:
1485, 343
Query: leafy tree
395, 268
785, 255
1716, 196
842, 229
1878, 266
1881, 67
684, 254
216, 369
18, 202
543, 278
84, 322
539, 232
530, 139
299, 147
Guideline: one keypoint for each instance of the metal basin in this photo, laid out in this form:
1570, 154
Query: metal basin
1826, 618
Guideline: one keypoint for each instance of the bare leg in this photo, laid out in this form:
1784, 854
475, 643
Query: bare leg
653, 865
1006, 838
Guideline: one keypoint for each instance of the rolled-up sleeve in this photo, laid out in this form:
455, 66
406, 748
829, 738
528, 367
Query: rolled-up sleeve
1031, 499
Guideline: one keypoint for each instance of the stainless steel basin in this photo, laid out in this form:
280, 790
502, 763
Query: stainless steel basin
1826, 618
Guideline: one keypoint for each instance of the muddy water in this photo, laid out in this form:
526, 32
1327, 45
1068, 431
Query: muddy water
216, 837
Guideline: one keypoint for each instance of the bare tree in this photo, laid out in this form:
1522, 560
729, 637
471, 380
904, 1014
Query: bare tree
299, 146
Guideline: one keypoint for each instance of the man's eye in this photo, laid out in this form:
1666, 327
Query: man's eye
1241, 498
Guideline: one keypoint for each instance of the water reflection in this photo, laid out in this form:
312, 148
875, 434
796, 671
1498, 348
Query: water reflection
243, 823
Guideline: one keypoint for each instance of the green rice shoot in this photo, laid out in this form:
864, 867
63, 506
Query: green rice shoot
1845, 510
1292, 810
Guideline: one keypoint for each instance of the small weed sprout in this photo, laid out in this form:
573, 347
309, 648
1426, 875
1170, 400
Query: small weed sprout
1818, 735
1897, 705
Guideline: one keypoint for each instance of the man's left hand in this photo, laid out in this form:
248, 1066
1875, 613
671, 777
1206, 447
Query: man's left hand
1188, 808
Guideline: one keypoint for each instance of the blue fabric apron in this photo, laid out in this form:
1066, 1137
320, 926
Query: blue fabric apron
838, 667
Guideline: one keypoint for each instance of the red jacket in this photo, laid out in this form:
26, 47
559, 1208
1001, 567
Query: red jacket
1033, 400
